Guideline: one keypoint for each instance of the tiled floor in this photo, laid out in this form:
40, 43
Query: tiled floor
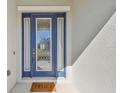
61, 88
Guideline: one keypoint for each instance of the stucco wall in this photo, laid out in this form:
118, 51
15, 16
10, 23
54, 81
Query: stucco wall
11, 43
44, 2
89, 16
95, 70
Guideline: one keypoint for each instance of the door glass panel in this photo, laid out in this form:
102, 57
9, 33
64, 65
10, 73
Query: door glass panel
26, 44
43, 44
60, 44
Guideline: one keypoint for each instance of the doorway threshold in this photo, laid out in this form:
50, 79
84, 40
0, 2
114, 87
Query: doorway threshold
39, 79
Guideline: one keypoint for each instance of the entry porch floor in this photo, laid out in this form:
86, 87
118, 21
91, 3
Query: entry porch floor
25, 87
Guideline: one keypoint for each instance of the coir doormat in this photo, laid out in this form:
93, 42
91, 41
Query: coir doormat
43, 87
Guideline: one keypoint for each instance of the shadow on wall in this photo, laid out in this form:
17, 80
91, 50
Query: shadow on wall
89, 16
95, 69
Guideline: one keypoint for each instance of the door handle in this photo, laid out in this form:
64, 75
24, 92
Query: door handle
33, 53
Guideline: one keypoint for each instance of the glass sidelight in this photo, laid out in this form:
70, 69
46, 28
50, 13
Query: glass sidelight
26, 44
60, 43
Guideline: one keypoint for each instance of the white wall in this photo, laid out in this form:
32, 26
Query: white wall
89, 16
44, 2
11, 44
95, 70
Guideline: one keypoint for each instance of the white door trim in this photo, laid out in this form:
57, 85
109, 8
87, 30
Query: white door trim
43, 8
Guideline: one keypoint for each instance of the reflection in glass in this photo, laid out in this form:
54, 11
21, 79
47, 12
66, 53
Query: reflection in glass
43, 44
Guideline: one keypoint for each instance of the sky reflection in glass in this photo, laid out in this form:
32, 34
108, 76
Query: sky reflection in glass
42, 35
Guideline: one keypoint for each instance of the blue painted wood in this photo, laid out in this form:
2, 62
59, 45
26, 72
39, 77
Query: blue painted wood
33, 72
63, 73
65, 52
54, 45
24, 73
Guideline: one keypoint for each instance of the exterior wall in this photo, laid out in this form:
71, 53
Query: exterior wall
89, 16
95, 69
11, 43
44, 2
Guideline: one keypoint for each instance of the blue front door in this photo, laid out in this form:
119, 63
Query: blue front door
42, 60
44, 44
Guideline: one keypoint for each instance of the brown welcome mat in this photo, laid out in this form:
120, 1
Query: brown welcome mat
43, 87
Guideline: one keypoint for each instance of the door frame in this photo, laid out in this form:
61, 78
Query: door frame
27, 9
57, 73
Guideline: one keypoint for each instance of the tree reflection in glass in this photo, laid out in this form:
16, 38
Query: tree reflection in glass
43, 39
